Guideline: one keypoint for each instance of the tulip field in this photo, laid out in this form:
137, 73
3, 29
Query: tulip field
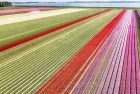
69, 51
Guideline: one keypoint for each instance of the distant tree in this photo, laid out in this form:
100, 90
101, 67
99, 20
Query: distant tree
3, 4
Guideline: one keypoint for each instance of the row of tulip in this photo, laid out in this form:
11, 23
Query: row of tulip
22, 10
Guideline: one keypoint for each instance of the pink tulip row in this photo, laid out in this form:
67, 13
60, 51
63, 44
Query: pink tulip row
11, 11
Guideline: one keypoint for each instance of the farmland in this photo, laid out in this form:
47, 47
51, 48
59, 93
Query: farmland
69, 50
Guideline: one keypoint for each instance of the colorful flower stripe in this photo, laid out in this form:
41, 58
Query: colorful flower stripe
23, 10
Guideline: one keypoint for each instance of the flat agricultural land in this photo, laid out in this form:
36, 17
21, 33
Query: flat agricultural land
45, 50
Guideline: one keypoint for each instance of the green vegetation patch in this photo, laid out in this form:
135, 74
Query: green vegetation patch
4, 4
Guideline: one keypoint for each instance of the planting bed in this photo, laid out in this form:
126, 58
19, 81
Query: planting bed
95, 51
22, 10
26, 39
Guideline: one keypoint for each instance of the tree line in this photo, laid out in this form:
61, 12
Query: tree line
3, 4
